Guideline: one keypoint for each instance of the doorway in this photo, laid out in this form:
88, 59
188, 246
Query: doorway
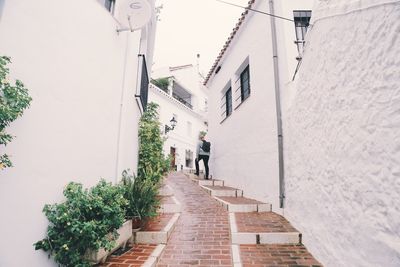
172, 153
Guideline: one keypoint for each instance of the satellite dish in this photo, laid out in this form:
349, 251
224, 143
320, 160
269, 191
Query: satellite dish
133, 14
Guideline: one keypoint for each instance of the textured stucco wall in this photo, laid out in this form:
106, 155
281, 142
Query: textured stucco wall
342, 136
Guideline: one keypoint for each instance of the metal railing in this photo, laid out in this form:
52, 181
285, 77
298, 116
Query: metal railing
183, 101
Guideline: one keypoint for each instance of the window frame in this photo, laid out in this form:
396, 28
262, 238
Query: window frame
243, 82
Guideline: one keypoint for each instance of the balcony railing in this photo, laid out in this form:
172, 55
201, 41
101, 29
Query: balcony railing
183, 101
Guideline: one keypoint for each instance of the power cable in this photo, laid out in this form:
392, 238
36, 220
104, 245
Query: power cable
257, 11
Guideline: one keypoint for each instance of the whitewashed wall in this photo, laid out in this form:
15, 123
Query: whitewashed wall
182, 137
244, 146
69, 56
342, 134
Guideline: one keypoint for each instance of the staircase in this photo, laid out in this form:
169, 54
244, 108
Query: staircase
149, 242
253, 225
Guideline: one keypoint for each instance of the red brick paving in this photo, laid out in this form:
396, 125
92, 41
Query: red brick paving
166, 200
201, 236
240, 200
262, 222
276, 255
135, 257
157, 223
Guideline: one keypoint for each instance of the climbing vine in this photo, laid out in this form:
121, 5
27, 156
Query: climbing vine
14, 98
152, 162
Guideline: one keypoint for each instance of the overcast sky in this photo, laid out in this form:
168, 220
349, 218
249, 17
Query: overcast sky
188, 27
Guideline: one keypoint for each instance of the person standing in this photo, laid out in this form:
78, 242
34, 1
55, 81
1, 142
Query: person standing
202, 153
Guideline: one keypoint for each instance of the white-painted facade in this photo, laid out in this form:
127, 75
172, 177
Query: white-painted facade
245, 143
190, 115
342, 134
83, 121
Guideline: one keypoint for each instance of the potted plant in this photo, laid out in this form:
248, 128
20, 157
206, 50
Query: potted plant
86, 226
142, 199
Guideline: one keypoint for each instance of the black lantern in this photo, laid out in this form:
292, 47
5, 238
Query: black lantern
173, 124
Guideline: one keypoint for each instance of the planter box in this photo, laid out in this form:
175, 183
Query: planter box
125, 234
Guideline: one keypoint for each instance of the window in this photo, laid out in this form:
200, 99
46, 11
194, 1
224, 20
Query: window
110, 5
189, 159
144, 82
228, 102
301, 23
245, 83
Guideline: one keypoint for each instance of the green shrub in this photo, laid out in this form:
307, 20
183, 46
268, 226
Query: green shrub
13, 100
161, 83
84, 221
141, 195
151, 158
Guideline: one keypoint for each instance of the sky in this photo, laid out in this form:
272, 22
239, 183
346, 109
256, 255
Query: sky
190, 27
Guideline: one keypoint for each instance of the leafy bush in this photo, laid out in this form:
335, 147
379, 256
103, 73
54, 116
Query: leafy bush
141, 195
13, 100
151, 158
88, 219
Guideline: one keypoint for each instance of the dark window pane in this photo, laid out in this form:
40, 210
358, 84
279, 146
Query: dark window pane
228, 102
245, 83
109, 4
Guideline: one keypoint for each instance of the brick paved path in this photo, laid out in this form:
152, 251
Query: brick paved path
201, 236
277, 255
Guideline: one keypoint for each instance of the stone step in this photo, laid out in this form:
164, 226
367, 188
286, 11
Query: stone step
157, 230
262, 228
243, 204
145, 255
201, 181
212, 182
222, 191
169, 204
165, 190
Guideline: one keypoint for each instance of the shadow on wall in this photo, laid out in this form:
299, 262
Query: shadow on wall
1, 7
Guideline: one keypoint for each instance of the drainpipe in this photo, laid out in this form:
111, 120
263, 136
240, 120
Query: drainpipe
278, 107
121, 111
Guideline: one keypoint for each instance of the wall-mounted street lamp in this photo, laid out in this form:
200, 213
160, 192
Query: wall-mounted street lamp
173, 124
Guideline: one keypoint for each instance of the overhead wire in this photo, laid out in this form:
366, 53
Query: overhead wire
255, 10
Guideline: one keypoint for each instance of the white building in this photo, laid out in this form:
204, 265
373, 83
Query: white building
83, 121
342, 134
183, 98
242, 94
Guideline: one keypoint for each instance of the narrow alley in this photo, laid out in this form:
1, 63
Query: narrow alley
202, 235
